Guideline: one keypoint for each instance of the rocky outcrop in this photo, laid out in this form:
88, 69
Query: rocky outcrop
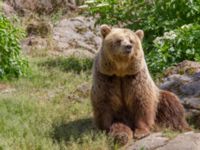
40, 6
184, 80
76, 36
151, 142
156, 141
187, 141
7, 9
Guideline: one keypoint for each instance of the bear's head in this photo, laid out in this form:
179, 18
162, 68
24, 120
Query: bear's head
121, 52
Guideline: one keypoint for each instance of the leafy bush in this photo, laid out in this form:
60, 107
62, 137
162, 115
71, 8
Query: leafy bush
12, 63
175, 46
156, 17
153, 16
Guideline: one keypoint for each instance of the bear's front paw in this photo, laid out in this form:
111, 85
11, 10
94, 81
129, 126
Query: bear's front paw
141, 133
121, 133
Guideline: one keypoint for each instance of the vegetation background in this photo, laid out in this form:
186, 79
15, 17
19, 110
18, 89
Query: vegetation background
171, 27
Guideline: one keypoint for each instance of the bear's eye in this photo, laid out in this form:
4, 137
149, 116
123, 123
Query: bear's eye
118, 41
131, 41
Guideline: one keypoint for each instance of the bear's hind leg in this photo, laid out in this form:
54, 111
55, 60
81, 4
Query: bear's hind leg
170, 112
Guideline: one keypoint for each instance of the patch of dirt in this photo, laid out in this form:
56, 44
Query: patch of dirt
4, 88
81, 92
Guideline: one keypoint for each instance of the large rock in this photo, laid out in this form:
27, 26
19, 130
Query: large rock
40, 6
76, 35
156, 141
185, 67
187, 141
183, 85
184, 80
151, 142
7, 9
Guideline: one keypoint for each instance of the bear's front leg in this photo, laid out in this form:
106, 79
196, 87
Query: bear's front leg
142, 130
121, 133
103, 117
144, 121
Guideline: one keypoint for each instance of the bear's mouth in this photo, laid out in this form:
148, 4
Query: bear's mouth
127, 49
127, 52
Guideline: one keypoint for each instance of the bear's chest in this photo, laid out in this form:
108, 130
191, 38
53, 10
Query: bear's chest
124, 92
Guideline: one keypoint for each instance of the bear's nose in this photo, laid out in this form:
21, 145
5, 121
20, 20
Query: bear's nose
128, 48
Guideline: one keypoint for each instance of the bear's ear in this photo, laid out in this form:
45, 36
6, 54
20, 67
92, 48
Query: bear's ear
140, 34
105, 30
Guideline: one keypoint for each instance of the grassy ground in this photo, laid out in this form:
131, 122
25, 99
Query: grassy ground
41, 113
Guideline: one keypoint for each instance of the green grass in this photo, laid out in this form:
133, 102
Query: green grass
39, 115
170, 133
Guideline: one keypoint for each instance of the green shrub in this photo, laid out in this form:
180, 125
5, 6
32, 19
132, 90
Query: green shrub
156, 17
12, 63
70, 64
153, 16
175, 46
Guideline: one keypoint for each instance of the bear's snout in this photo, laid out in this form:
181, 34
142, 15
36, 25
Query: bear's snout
128, 48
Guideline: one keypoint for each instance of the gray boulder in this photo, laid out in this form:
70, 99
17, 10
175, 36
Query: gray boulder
184, 80
156, 141
76, 36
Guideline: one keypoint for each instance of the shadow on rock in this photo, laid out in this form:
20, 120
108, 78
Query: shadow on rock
73, 130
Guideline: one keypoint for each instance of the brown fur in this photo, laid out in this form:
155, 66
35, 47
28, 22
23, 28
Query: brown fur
170, 112
121, 133
124, 92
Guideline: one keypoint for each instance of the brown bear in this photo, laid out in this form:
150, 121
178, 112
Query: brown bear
126, 102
